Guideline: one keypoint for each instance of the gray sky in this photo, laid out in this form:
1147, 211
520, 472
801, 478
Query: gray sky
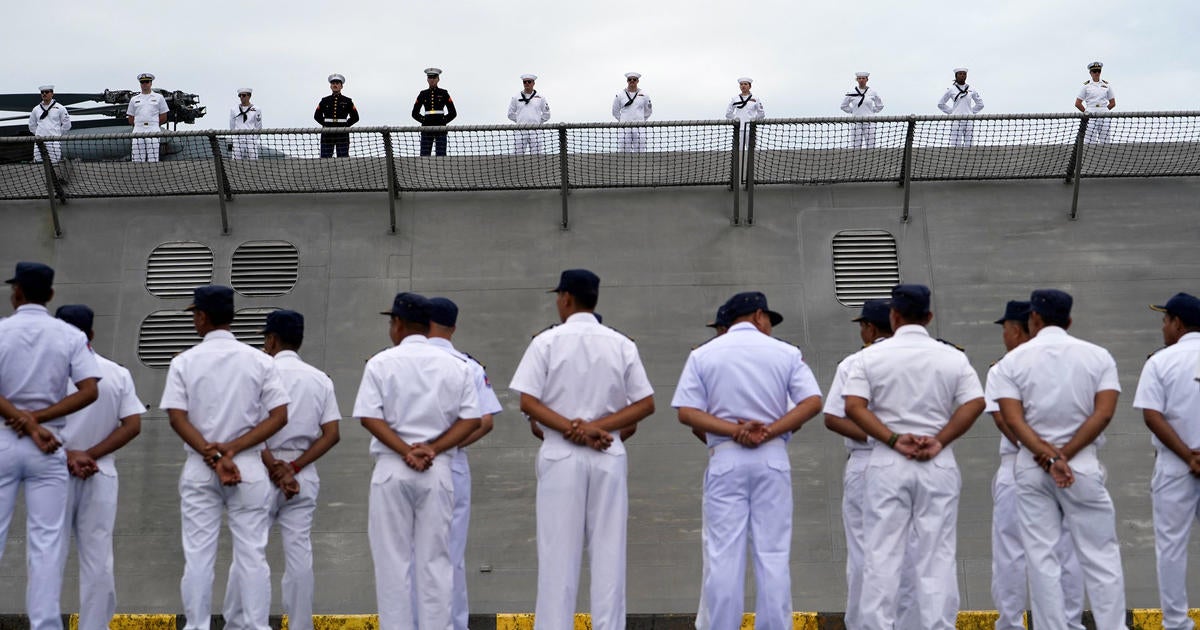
1024, 55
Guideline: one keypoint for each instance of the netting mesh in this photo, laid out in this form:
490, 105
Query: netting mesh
814, 150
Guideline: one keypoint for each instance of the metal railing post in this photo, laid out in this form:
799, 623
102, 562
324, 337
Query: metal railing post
393, 187
906, 167
751, 143
563, 172
222, 183
51, 187
735, 171
1076, 171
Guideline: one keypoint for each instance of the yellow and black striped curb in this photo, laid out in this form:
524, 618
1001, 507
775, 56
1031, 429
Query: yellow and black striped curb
1138, 619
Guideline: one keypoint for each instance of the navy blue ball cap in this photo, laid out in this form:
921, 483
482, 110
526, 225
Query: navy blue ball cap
443, 312
721, 320
578, 282
911, 300
1015, 311
1051, 303
77, 315
287, 324
212, 298
32, 275
746, 303
876, 312
1185, 307
410, 307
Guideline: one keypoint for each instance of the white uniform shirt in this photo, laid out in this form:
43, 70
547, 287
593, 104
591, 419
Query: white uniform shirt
1168, 386
313, 403
524, 109
582, 369
862, 102
961, 99
488, 403
913, 383
252, 120
637, 111
145, 109
835, 402
744, 375
991, 406
225, 386
89, 426
39, 356
753, 109
418, 389
1056, 378
57, 120
1096, 94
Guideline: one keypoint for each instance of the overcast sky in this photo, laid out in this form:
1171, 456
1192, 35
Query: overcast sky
1023, 55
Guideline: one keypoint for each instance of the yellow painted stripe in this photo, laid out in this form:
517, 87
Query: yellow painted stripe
514, 621
134, 622
977, 619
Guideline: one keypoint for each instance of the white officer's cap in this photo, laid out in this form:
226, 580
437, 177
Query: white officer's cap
242, 91
633, 75
337, 77
861, 75
433, 72
529, 77
957, 70
45, 88
1095, 65
745, 80
145, 76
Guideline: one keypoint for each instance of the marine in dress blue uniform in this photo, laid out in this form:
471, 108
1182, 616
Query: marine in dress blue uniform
434, 108
336, 110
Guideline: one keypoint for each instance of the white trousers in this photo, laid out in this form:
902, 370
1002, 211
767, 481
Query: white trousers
45, 479
581, 499
53, 149
1176, 500
203, 500
863, 136
408, 527
527, 142
460, 469
632, 140
1087, 509
962, 133
245, 147
910, 503
1098, 129
91, 515
1010, 582
748, 494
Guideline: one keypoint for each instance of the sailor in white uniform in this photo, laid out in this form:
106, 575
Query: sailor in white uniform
960, 99
1010, 582
90, 437
914, 396
49, 118
738, 389
744, 107
245, 115
224, 399
1057, 394
528, 108
1096, 95
632, 105
419, 403
146, 112
583, 382
39, 356
1169, 398
862, 101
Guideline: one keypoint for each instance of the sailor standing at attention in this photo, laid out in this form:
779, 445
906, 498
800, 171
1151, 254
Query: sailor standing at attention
90, 437
39, 356
528, 108
745, 107
224, 399
49, 118
1057, 394
737, 388
336, 110
146, 112
434, 108
632, 105
245, 115
1169, 398
960, 99
583, 382
913, 395
1096, 95
862, 101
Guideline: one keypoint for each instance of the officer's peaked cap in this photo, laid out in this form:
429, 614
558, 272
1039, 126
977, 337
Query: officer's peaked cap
1051, 303
410, 307
1015, 311
911, 300
578, 282
289, 325
32, 276
145, 76
1185, 307
748, 302
77, 315
443, 311
213, 298
876, 312
337, 77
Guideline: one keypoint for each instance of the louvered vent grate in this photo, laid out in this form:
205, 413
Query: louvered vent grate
174, 269
865, 265
265, 267
163, 335
248, 324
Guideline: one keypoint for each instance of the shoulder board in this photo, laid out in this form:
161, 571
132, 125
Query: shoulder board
1104, 82
785, 342
1155, 352
617, 331
993, 363
1087, 82
534, 335
474, 359
952, 345
706, 341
